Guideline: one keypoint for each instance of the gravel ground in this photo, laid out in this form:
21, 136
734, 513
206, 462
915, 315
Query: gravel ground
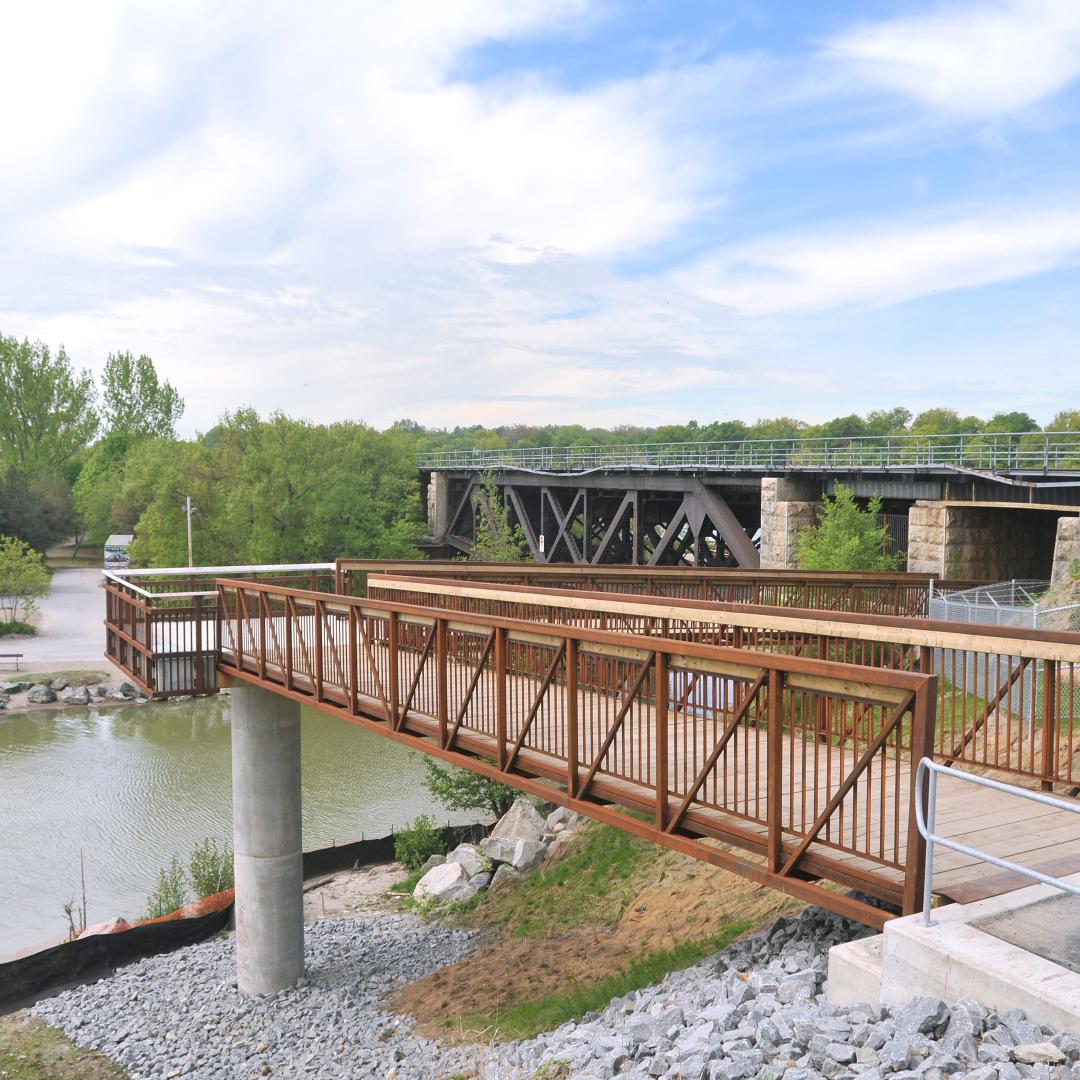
755, 1010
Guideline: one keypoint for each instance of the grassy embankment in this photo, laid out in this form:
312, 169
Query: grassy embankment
606, 914
31, 1050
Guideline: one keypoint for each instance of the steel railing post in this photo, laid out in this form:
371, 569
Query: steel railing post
572, 717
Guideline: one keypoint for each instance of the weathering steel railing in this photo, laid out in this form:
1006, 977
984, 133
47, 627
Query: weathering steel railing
808, 764
928, 797
161, 625
1007, 700
875, 593
1006, 452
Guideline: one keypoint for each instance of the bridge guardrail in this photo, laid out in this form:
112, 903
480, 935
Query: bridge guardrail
990, 452
1008, 700
706, 741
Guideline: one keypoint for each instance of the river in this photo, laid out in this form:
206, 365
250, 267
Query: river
129, 786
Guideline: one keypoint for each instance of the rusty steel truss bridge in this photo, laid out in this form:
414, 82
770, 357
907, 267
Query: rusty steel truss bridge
701, 503
766, 723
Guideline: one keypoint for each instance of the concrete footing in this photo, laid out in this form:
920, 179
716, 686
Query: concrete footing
267, 840
956, 957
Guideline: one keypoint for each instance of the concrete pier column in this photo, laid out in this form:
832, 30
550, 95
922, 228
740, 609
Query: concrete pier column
267, 840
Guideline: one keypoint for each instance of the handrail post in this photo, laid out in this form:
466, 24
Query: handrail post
774, 762
571, 717
500, 698
660, 671
922, 746
928, 872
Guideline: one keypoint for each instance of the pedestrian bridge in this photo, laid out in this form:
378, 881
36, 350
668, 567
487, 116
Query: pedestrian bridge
773, 740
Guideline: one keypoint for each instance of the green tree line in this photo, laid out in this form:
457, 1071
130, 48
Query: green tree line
84, 460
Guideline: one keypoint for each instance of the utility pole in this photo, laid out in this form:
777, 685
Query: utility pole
189, 510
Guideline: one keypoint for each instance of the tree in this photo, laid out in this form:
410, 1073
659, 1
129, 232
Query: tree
944, 422
135, 401
845, 537
23, 580
496, 539
35, 507
459, 790
46, 409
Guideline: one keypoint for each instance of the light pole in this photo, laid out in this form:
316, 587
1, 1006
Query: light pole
189, 510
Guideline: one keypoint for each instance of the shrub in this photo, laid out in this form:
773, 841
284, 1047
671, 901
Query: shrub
416, 844
461, 790
211, 869
1074, 570
15, 627
23, 580
170, 893
846, 537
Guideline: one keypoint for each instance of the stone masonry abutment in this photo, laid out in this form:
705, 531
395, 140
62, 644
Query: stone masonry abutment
788, 505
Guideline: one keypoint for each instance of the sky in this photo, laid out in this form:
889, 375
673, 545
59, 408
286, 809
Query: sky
593, 211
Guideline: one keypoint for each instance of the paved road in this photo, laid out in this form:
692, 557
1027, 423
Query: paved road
70, 626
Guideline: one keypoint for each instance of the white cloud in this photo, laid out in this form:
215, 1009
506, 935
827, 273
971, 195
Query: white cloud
879, 263
976, 59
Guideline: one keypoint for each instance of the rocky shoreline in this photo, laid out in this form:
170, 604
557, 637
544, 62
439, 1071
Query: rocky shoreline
755, 1010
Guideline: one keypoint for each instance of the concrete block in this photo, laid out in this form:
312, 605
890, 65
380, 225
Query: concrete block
855, 972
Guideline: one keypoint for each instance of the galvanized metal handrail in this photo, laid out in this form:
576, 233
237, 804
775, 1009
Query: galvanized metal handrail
926, 828
992, 451
123, 577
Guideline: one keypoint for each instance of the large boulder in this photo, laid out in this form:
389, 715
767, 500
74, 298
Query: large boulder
469, 857
520, 822
59, 683
40, 694
504, 875
447, 883
9, 688
520, 854
75, 695
432, 861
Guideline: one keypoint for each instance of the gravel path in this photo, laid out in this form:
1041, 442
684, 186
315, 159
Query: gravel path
756, 1010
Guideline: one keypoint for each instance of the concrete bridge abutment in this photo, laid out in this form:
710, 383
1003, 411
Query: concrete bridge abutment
267, 840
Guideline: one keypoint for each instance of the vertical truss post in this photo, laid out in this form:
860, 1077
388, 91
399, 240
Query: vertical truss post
660, 672
572, 717
354, 660
441, 666
393, 692
922, 745
318, 623
500, 698
774, 765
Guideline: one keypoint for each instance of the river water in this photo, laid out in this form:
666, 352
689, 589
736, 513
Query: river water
129, 786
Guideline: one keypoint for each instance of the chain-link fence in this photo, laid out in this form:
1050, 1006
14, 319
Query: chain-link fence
1009, 603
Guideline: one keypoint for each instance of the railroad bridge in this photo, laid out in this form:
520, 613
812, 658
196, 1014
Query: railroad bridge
958, 506
769, 723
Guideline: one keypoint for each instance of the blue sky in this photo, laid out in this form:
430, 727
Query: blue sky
465, 211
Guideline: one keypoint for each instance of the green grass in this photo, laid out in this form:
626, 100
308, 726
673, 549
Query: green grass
30, 1050
595, 876
74, 678
406, 885
527, 1019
